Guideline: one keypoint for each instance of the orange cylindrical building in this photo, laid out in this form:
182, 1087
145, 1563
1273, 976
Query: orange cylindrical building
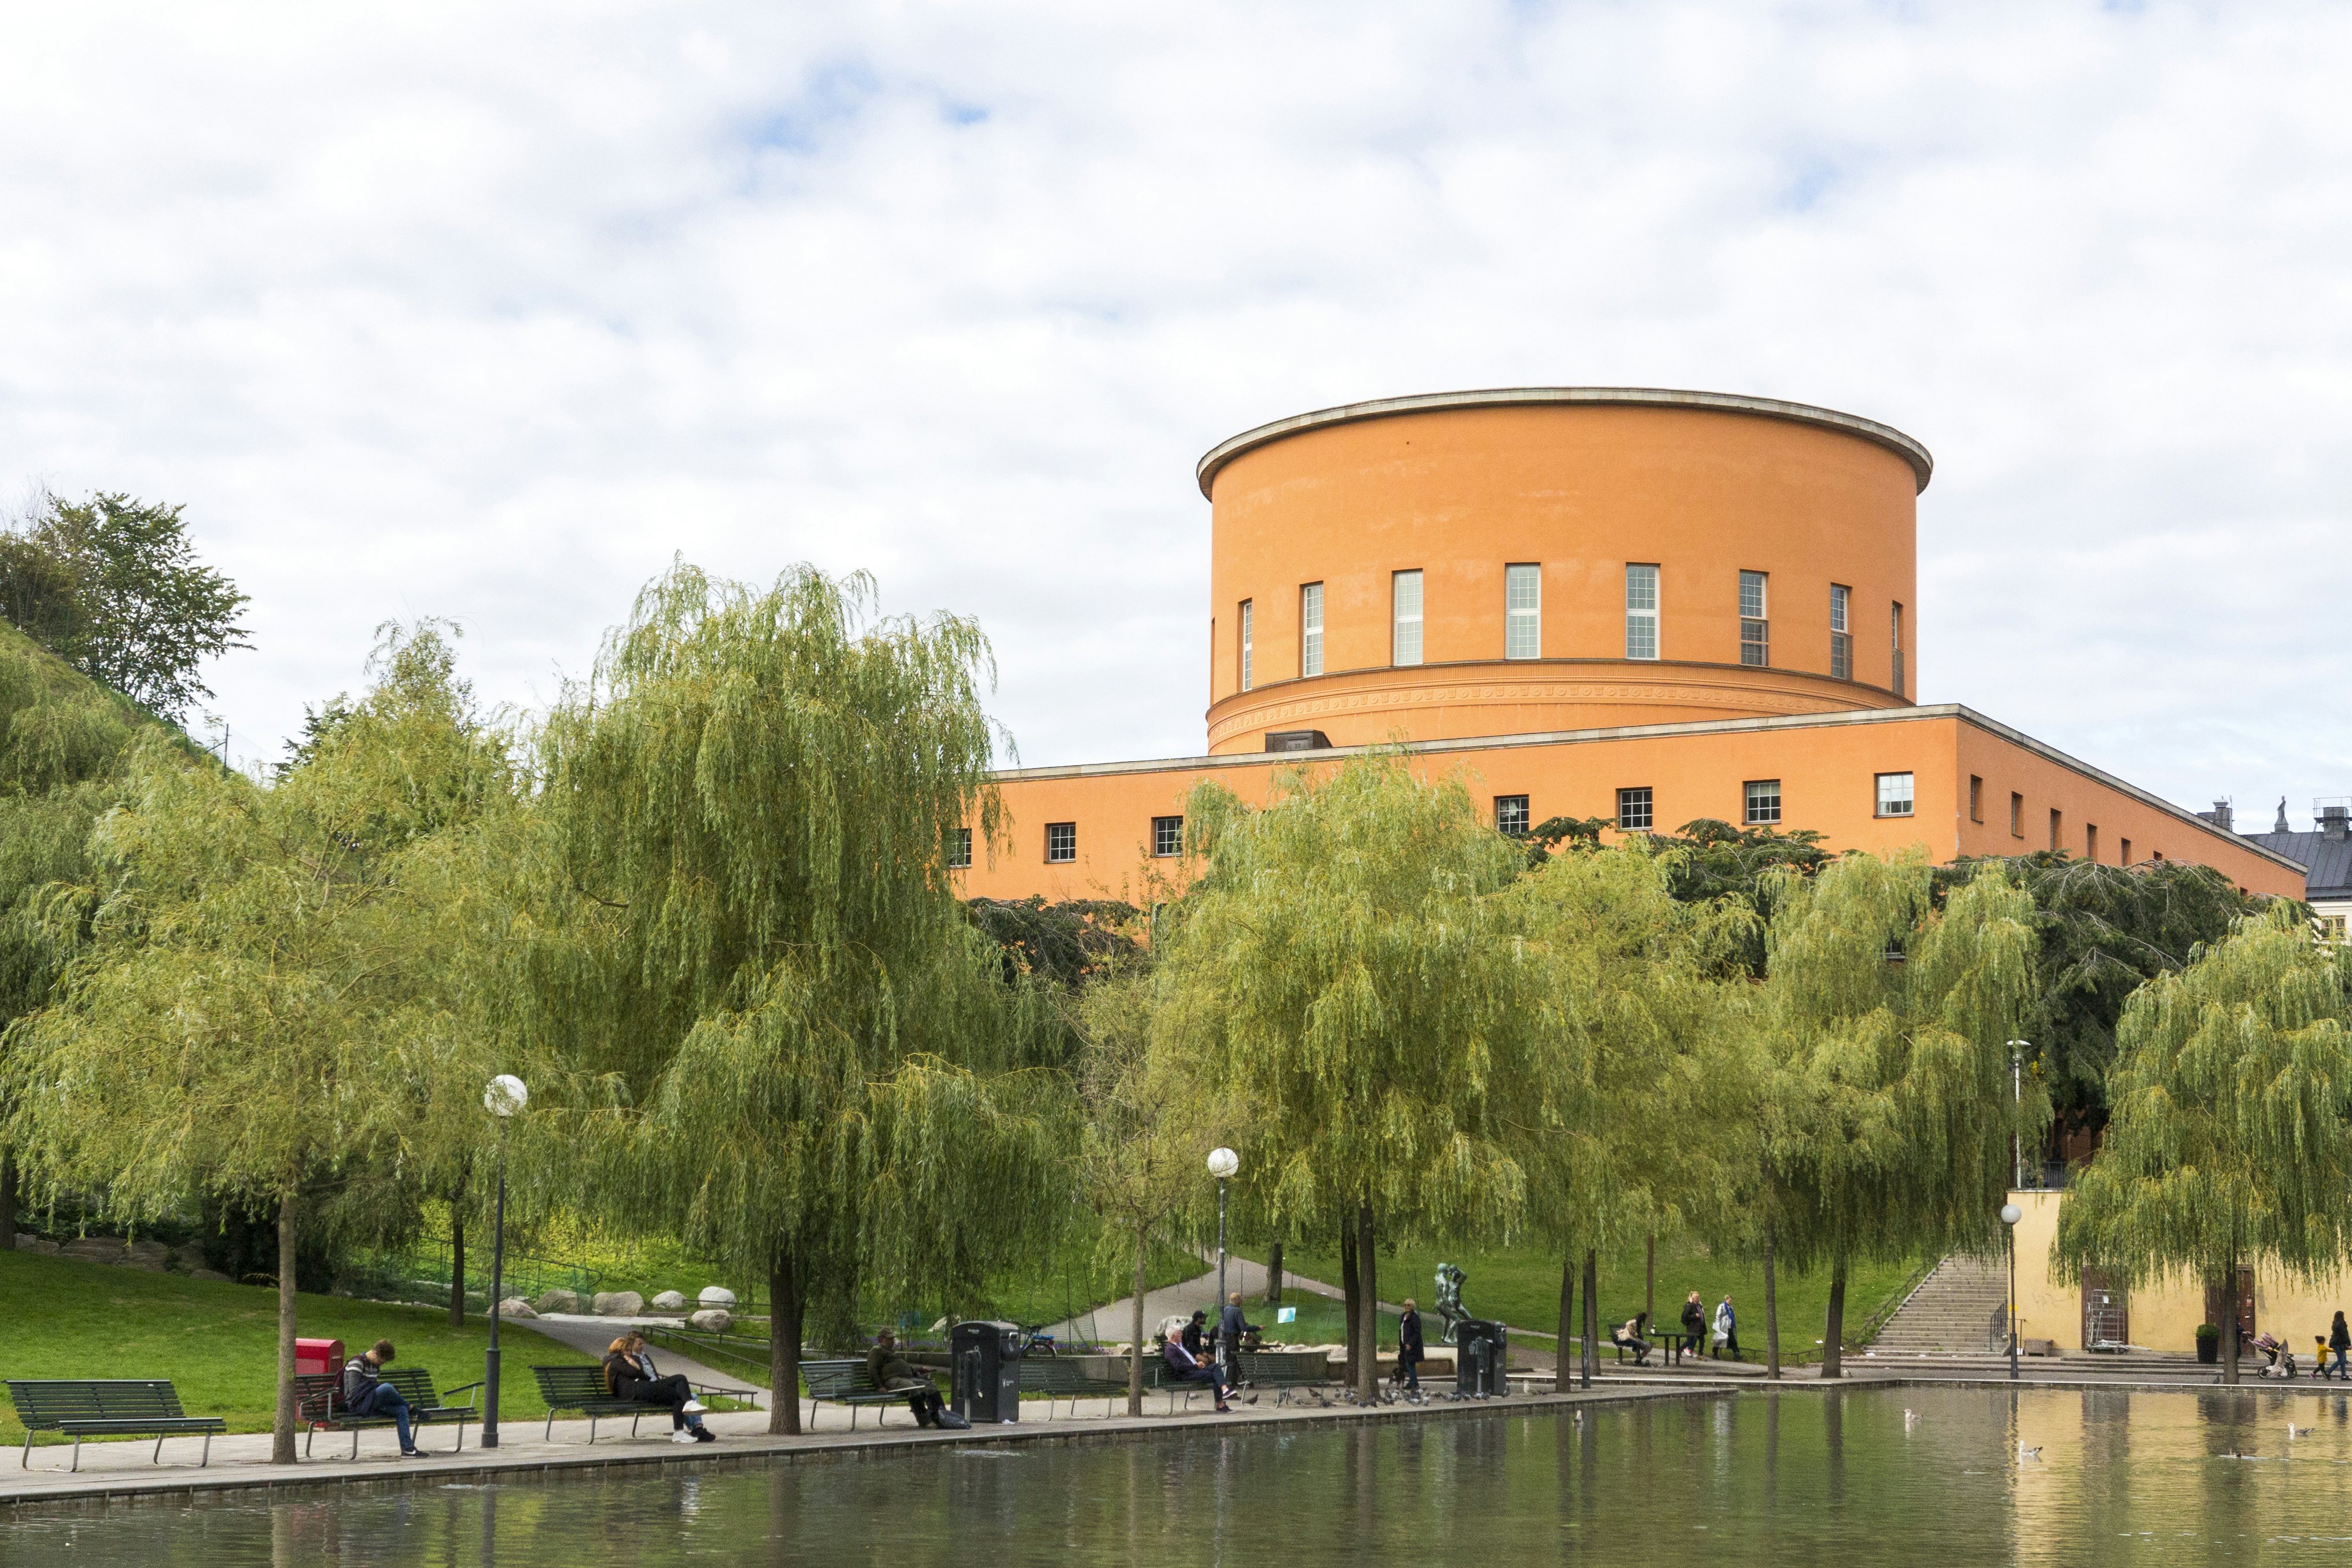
1541, 560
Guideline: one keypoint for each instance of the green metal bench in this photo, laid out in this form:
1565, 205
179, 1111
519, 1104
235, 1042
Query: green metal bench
1286, 1370
582, 1388
319, 1406
108, 1407
1059, 1377
846, 1383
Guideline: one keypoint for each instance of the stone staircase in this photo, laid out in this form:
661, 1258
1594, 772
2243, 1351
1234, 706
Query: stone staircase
1955, 1311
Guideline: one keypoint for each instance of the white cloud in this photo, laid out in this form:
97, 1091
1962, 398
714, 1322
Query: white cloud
486, 313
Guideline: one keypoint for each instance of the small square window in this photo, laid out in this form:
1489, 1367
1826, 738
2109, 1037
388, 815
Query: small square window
1895, 794
1061, 843
1976, 798
1633, 811
2331, 927
1166, 836
1763, 802
959, 849
1511, 814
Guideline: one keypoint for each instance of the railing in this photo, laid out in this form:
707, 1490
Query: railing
1900, 1298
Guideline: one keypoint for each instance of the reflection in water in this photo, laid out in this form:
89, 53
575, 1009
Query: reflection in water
1803, 1477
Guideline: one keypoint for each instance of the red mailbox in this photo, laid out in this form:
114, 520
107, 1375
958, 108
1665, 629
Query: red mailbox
314, 1355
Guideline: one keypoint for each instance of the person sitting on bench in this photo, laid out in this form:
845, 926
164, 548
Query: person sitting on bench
629, 1374
894, 1373
1629, 1337
1184, 1366
365, 1393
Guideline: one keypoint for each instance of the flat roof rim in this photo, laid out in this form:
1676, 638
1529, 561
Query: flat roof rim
1923, 463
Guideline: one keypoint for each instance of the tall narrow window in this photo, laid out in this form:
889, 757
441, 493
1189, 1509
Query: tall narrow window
1840, 635
1522, 613
2057, 829
1976, 798
1633, 811
959, 849
1897, 687
1641, 611
1311, 630
2123, 851
2090, 841
1511, 815
1895, 794
2016, 815
1763, 802
1249, 618
1755, 631
1405, 596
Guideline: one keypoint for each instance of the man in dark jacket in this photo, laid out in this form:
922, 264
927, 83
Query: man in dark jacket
1694, 1326
1231, 1326
365, 1393
1196, 1336
1409, 1347
893, 1374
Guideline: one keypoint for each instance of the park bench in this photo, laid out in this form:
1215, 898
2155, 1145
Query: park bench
108, 1407
1285, 1370
582, 1388
845, 1383
319, 1406
1060, 1377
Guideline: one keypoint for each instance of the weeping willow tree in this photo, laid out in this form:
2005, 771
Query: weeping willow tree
779, 1035
2227, 1143
1348, 980
63, 739
1886, 1106
1633, 1127
257, 1014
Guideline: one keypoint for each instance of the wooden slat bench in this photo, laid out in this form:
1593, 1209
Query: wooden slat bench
846, 1383
108, 1408
319, 1406
1062, 1377
1285, 1370
581, 1389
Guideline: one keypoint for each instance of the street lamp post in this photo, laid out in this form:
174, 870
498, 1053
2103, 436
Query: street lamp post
2010, 1215
1222, 1164
504, 1096
2016, 1097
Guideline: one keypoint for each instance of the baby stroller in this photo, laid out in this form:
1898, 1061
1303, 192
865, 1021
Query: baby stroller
2277, 1360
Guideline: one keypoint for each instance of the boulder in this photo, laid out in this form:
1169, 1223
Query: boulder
144, 1254
711, 1319
94, 1248
516, 1307
557, 1301
619, 1303
37, 1244
669, 1302
210, 1276
716, 1296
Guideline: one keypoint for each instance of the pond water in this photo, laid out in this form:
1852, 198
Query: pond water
1863, 1477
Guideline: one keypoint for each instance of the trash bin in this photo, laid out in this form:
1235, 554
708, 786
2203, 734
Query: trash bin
316, 1355
985, 1366
1481, 1352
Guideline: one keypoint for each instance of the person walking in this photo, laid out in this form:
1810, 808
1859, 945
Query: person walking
365, 1393
1409, 1347
629, 1374
1726, 1329
1693, 1327
2340, 1340
1232, 1325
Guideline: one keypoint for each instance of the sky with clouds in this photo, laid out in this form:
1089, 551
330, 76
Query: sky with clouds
487, 312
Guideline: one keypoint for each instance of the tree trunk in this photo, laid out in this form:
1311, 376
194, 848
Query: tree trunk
1274, 1275
1368, 1371
458, 1261
1833, 1330
282, 1430
1352, 1288
2229, 1324
1589, 1357
7, 1202
787, 1304
1771, 1313
1650, 1282
1135, 1345
1566, 1342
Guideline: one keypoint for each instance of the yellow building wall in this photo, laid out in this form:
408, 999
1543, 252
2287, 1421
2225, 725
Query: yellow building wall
2163, 1317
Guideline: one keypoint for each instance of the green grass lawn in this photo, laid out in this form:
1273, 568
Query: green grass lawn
219, 1344
1520, 1286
